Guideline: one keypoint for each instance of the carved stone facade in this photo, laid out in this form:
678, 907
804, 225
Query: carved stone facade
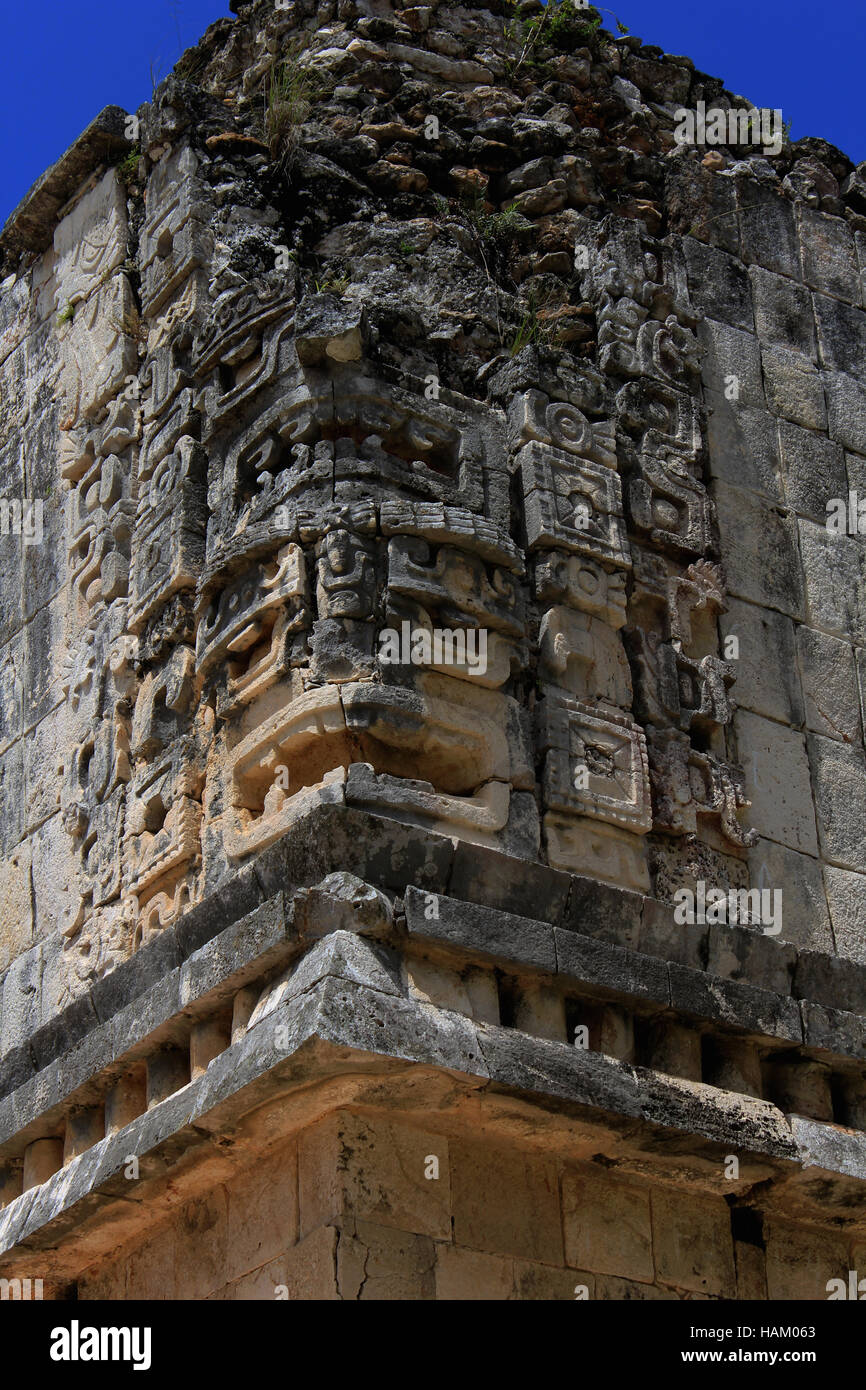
372, 641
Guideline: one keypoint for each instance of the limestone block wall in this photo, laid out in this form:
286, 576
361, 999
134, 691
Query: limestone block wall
437, 522
346, 1211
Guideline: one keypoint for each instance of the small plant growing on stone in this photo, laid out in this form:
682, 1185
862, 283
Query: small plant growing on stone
290, 90
66, 315
496, 229
132, 326
564, 26
190, 65
538, 327
333, 284
128, 167
155, 78
529, 332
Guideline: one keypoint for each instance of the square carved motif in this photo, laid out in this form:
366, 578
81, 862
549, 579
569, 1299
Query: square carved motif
597, 766
572, 504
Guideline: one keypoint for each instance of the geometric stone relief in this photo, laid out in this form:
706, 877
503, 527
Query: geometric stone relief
582, 583
631, 344
669, 505
455, 749
174, 241
101, 521
681, 680
572, 504
452, 526
170, 531
322, 441
98, 353
93, 303
644, 326
700, 588
168, 406
456, 585
90, 242
703, 690
161, 844
663, 420
450, 589
584, 656
250, 626
273, 463
533, 416
596, 764
688, 784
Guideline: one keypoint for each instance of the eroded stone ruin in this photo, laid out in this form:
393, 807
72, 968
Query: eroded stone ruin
334, 973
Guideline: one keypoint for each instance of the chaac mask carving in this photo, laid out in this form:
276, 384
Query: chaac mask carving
259, 508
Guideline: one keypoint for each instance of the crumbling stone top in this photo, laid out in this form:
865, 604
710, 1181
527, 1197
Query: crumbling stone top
422, 622
30, 227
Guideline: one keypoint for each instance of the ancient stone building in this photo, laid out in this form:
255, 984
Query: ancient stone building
433, 622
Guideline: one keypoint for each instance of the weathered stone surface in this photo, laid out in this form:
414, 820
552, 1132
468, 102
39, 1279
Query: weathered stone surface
367, 1170
743, 446
767, 681
759, 551
840, 335
729, 352
695, 1250
530, 1229
846, 900
479, 930
801, 1260
405, 600
831, 981
846, 408
833, 1031
778, 780
741, 953
813, 470
598, 963
830, 691
608, 1227
16, 914
839, 776
732, 1001
793, 387
599, 910
719, 285
835, 580
827, 250
768, 229
661, 935
805, 918
783, 312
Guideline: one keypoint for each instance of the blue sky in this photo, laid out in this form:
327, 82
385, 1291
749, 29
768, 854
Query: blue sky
62, 61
